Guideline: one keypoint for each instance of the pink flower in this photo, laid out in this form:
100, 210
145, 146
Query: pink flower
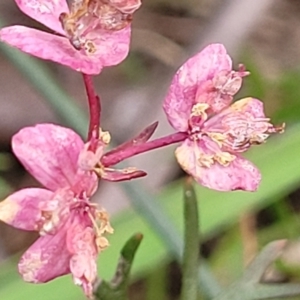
88, 36
198, 103
71, 227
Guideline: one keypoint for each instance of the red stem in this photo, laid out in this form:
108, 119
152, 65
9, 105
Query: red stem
113, 158
94, 107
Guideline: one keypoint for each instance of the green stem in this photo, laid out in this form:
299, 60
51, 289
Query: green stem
189, 290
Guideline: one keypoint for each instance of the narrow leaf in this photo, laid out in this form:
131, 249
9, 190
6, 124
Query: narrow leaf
272, 291
263, 260
189, 290
116, 289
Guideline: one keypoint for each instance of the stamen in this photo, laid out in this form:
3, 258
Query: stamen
89, 47
105, 137
199, 110
102, 217
205, 160
217, 137
224, 158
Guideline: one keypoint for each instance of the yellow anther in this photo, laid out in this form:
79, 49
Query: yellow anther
101, 243
224, 158
89, 47
219, 138
199, 110
206, 160
105, 226
105, 136
240, 104
101, 226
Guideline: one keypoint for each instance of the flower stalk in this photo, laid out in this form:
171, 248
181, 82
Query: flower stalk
113, 157
94, 107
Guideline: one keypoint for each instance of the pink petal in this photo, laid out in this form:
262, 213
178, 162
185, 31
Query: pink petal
112, 47
240, 174
46, 259
81, 243
50, 153
249, 105
22, 208
198, 69
84, 271
46, 12
242, 124
248, 109
49, 46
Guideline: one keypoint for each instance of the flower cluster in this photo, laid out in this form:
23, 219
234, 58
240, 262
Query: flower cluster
213, 132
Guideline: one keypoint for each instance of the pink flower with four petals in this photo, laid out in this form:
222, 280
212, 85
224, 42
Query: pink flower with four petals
71, 227
198, 103
90, 35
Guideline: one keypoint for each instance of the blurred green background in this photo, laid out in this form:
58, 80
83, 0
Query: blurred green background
264, 35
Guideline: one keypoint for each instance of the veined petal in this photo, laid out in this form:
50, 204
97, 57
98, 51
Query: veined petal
241, 174
198, 161
249, 105
22, 208
50, 153
81, 242
183, 90
249, 109
46, 12
58, 49
241, 125
46, 259
112, 47
84, 270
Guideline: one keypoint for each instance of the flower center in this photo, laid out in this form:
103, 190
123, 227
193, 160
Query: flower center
87, 18
232, 130
54, 215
